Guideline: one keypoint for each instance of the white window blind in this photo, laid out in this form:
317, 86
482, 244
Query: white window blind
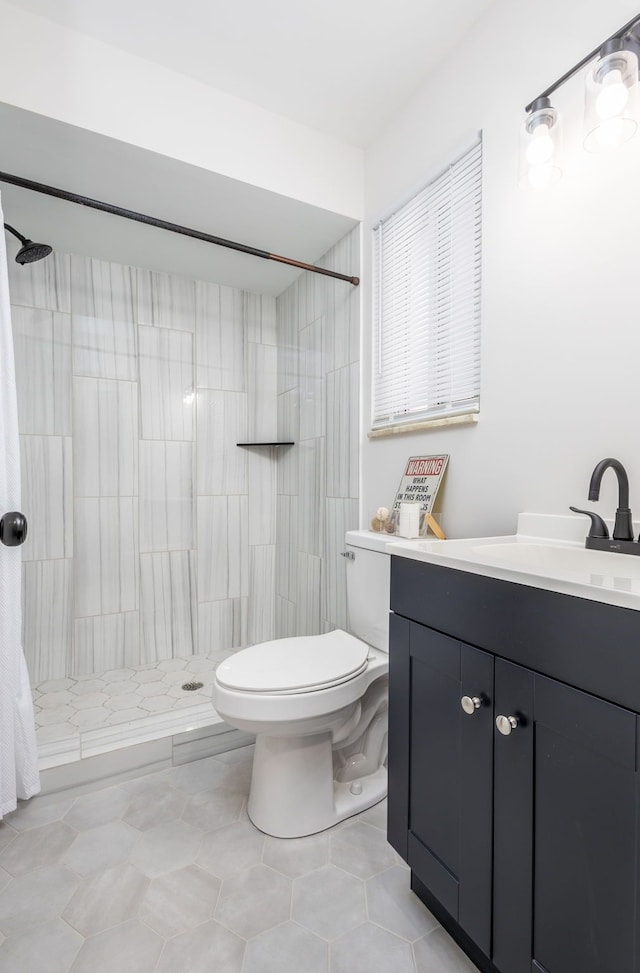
427, 257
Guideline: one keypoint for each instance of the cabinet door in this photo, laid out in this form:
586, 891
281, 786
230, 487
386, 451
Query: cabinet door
450, 771
585, 902
565, 830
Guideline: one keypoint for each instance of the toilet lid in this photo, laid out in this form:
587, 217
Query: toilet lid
295, 665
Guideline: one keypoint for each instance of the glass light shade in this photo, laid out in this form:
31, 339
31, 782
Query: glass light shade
611, 101
540, 149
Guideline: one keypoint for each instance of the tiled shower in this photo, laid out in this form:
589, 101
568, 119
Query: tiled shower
153, 537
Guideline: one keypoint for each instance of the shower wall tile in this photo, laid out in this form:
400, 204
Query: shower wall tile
289, 431
341, 515
103, 290
267, 552
285, 618
168, 605
262, 495
105, 556
222, 625
305, 295
308, 595
221, 424
262, 381
312, 408
262, 593
167, 473
288, 351
312, 349
260, 318
343, 336
106, 642
317, 483
287, 546
167, 394
43, 284
312, 382
342, 432
344, 256
42, 349
312, 478
287, 471
289, 415
343, 333
105, 435
104, 348
47, 496
165, 301
223, 548
103, 330
220, 337
312, 297
125, 353
46, 618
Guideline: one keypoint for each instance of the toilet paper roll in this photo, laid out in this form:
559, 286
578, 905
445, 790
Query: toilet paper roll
409, 520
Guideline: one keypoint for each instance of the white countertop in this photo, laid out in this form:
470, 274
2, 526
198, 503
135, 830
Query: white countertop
546, 552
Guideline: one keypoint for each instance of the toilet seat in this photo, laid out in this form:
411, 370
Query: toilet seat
295, 665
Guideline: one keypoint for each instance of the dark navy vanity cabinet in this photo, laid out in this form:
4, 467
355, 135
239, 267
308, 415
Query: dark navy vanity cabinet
523, 840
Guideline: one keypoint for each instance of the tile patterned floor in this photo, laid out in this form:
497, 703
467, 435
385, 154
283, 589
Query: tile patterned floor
121, 695
166, 872
77, 717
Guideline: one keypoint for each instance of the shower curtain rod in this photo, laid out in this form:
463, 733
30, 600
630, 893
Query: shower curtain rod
129, 214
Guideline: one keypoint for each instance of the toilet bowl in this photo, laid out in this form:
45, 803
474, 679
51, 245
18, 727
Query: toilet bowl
318, 708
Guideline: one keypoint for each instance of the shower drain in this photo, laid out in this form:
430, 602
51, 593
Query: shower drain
190, 686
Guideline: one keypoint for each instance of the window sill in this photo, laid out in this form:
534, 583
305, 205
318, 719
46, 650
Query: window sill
465, 420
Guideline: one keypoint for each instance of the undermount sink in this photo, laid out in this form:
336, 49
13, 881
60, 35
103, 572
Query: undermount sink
556, 563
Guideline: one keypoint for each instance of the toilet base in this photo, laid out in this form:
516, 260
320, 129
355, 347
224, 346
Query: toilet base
293, 791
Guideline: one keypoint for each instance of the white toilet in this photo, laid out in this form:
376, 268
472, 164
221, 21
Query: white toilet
318, 707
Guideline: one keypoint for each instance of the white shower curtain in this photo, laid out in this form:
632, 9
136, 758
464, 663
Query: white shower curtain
18, 753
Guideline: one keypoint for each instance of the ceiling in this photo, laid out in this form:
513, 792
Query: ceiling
60, 155
340, 67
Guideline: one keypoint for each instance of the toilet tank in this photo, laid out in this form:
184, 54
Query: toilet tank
368, 577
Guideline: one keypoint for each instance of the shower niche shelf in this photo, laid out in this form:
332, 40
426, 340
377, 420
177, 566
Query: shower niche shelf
267, 444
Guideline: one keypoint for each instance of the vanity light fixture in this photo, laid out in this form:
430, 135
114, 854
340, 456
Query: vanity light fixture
611, 96
540, 146
612, 99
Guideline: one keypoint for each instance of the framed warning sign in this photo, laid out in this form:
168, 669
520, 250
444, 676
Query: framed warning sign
420, 484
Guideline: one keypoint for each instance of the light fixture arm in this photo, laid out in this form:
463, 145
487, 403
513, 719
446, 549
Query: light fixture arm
626, 38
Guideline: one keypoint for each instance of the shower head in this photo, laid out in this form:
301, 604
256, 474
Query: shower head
32, 251
29, 251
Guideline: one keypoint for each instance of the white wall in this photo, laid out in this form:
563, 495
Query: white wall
560, 314
60, 73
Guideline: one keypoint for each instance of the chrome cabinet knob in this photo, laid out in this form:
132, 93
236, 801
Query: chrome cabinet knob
506, 724
470, 704
350, 556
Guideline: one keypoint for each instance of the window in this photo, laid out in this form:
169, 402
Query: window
426, 355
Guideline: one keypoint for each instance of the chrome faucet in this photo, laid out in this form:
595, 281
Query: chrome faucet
598, 538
